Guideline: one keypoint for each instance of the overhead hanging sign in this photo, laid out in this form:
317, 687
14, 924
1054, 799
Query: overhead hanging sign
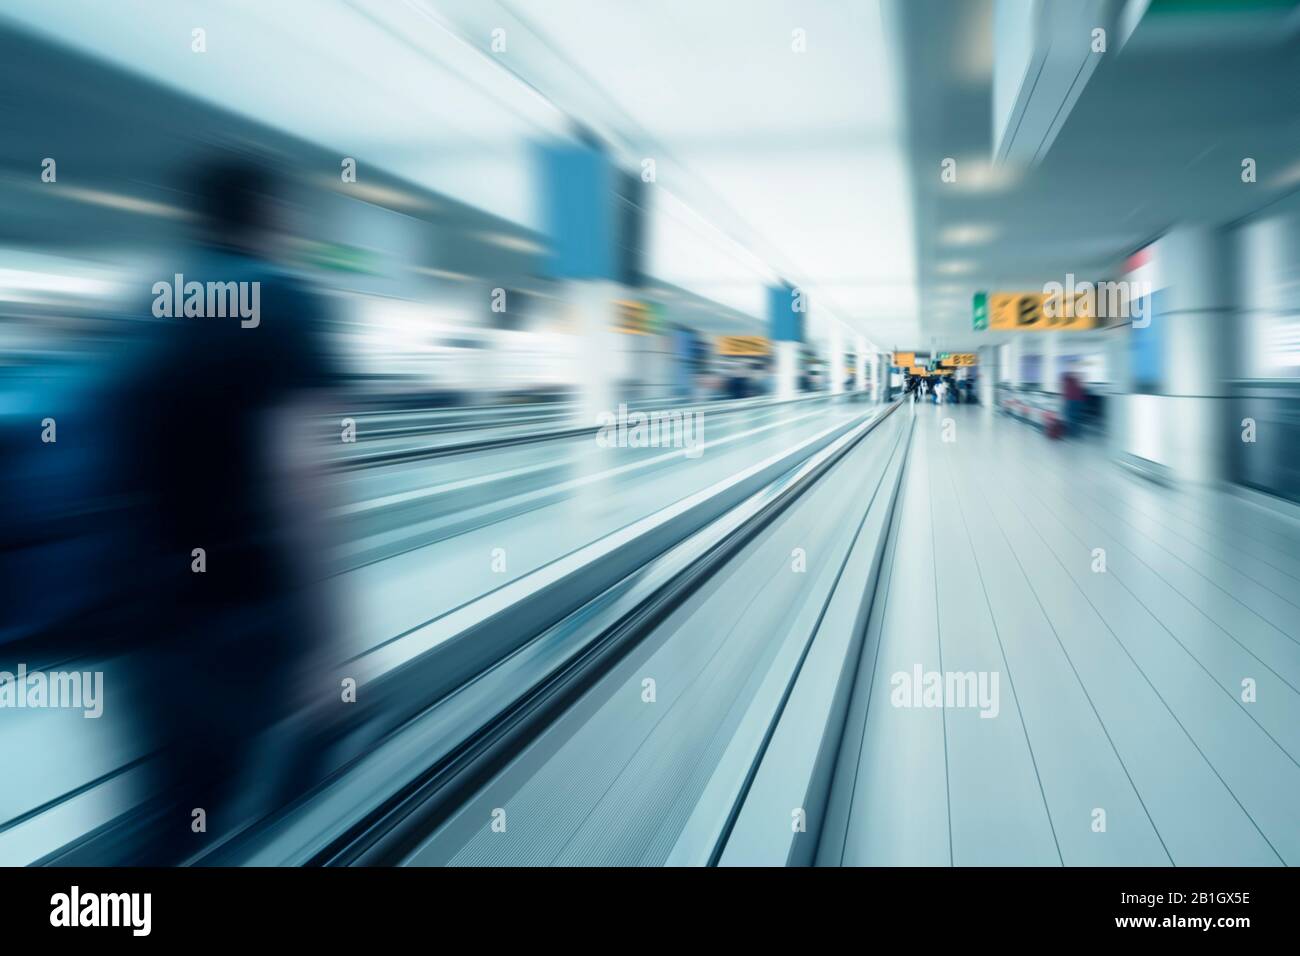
980, 311
743, 345
903, 359
636, 317
577, 185
1026, 312
958, 359
786, 309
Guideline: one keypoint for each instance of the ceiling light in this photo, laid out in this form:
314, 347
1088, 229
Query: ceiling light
981, 176
1289, 176
442, 274
111, 200
378, 195
513, 243
967, 234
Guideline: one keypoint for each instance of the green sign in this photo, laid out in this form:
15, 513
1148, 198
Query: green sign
337, 257
658, 318
980, 311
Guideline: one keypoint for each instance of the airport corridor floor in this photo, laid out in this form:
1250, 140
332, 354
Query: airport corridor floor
1128, 655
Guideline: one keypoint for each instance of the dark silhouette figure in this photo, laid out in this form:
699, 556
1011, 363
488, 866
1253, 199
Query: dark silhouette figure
210, 422
1072, 391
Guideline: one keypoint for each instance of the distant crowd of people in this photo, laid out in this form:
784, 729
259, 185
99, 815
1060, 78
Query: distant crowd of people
942, 391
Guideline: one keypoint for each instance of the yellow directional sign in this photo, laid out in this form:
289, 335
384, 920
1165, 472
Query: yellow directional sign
960, 359
1024, 312
634, 317
904, 359
744, 345
919, 370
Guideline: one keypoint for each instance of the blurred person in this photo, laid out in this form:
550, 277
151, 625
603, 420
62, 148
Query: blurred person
1074, 396
940, 392
208, 421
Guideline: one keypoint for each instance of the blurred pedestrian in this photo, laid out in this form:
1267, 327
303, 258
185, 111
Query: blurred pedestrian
221, 506
1073, 394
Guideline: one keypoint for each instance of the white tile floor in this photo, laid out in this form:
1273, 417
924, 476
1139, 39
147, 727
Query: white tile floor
1120, 691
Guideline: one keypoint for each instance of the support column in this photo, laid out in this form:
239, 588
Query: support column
1015, 351
1268, 357
836, 362
600, 362
1177, 414
786, 307
988, 370
1049, 371
579, 186
787, 370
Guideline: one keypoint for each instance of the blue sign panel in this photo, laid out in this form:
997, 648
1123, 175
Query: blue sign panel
786, 308
577, 189
1147, 346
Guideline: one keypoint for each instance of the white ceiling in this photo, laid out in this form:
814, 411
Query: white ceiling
426, 107
795, 156
1156, 139
770, 163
